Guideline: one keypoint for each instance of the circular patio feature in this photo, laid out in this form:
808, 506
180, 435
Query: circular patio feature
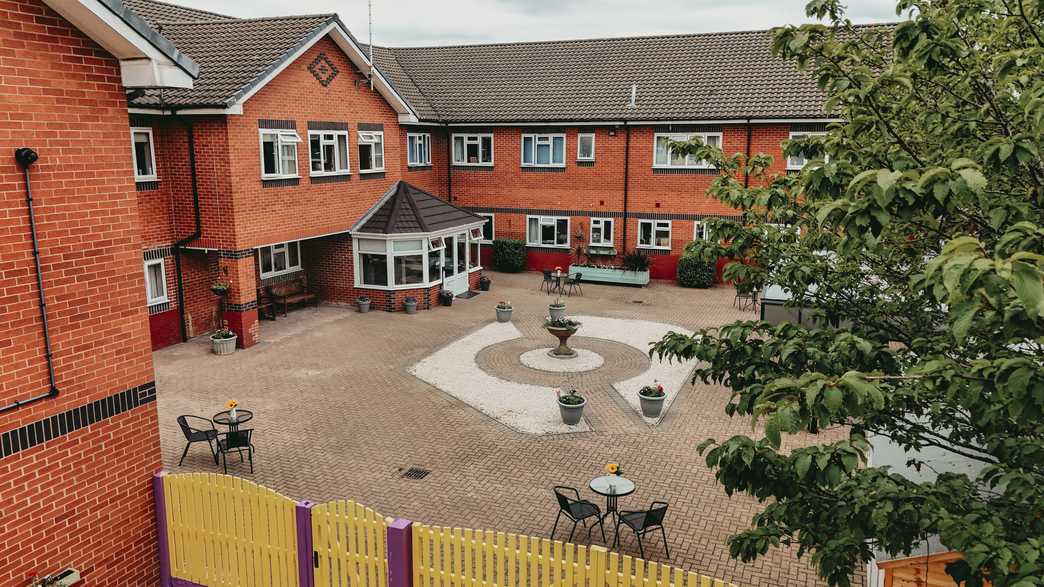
542, 360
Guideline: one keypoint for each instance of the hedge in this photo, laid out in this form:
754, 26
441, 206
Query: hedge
509, 255
693, 272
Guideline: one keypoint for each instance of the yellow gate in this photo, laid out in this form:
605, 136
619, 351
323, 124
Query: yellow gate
227, 531
350, 544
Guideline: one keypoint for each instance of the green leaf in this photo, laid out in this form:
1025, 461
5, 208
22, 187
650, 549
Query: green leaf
802, 464
1028, 287
832, 399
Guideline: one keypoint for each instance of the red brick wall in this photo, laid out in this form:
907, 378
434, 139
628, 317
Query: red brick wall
82, 499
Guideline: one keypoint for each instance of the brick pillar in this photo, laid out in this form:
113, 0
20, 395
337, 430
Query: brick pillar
241, 302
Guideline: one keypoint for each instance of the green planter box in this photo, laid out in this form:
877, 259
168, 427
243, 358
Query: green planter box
619, 276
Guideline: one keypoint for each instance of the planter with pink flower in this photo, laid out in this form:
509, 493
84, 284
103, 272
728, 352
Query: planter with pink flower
651, 398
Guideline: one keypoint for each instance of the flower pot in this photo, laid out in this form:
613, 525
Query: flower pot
484, 283
651, 406
446, 298
562, 334
364, 305
504, 314
557, 312
223, 346
410, 305
571, 414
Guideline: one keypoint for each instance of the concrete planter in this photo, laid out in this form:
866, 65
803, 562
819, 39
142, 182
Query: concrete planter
364, 305
651, 406
612, 275
571, 414
562, 334
504, 315
410, 304
484, 283
556, 312
223, 346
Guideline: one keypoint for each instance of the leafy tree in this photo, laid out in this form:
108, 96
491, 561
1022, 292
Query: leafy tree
916, 229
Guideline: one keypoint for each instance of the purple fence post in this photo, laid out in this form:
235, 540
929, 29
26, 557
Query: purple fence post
303, 517
400, 553
161, 528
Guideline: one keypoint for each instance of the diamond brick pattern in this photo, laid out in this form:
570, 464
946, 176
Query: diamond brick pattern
323, 69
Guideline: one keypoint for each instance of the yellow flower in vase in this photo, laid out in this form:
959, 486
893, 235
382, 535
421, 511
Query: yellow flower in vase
613, 469
231, 405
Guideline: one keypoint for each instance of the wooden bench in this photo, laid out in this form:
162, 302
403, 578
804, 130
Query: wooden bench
292, 292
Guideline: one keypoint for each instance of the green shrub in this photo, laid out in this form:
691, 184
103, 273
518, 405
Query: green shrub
694, 272
636, 261
509, 255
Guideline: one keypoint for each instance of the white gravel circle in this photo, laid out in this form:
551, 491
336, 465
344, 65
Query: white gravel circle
584, 360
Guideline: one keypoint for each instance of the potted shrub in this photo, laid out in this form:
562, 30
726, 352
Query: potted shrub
223, 342
571, 406
484, 283
556, 309
220, 288
504, 311
446, 298
410, 303
364, 304
651, 397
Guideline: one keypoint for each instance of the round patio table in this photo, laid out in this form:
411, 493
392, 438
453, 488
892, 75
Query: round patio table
559, 276
612, 487
225, 418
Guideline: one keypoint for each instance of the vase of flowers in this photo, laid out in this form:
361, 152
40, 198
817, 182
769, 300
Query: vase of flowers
613, 469
570, 406
651, 398
504, 311
231, 405
223, 342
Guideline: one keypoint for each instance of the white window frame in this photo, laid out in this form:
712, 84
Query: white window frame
283, 136
684, 136
549, 139
162, 298
472, 138
431, 243
424, 138
152, 153
347, 157
700, 231
791, 165
492, 223
367, 136
546, 221
601, 222
285, 247
579, 140
656, 224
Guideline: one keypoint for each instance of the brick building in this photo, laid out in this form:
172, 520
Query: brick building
257, 175
78, 433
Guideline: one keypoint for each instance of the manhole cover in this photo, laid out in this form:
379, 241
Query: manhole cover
415, 473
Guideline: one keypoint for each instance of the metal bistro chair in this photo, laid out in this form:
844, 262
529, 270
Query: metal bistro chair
548, 283
577, 510
207, 434
574, 284
642, 522
236, 441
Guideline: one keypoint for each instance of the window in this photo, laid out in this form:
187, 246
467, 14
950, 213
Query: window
279, 153
601, 232
547, 231
329, 152
663, 155
798, 161
435, 247
408, 261
156, 282
418, 148
473, 149
543, 150
488, 229
585, 146
371, 151
373, 261
654, 234
144, 154
700, 231
279, 259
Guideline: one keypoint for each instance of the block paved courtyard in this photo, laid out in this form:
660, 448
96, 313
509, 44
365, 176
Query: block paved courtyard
338, 415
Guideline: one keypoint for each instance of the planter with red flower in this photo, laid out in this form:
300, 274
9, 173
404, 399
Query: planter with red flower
651, 397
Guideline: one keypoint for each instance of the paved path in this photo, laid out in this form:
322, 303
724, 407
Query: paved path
337, 415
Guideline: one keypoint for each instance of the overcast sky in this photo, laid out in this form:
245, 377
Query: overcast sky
439, 22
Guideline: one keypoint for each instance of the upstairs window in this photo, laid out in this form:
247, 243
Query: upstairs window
543, 150
547, 231
329, 152
665, 157
601, 232
371, 151
279, 258
156, 282
473, 149
585, 146
654, 234
418, 149
279, 153
144, 154
797, 162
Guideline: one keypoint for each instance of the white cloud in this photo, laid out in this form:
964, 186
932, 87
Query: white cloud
438, 22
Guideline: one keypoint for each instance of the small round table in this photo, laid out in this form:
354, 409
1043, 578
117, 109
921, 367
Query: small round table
559, 276
225, 418
612, 487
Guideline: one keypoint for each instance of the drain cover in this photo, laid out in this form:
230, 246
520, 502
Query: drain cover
637, 301
415, 473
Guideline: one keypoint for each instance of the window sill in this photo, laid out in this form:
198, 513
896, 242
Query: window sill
264, 276
419, 165
329, 174
472, 164
365, 171
145, 178
651, 248
542, 246
533, 166
158, 302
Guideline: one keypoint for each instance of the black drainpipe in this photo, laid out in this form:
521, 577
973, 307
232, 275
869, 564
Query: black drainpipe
627, 161
746, 157
26, 157
195, 234
449, 163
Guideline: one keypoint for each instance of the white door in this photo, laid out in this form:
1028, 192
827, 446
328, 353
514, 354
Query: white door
456, 264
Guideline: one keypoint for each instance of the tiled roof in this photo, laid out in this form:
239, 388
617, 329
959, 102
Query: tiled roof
158, 12
406, 209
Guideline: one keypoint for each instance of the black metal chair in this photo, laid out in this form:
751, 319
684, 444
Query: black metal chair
548, 283
207, 434
642, 522
576, 510
574, 283
236, 441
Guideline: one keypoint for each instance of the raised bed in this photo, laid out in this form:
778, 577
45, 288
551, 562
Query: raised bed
615, 275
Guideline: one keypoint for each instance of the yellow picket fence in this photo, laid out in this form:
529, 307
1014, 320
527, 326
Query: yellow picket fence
350, 545
227, 531
455, 557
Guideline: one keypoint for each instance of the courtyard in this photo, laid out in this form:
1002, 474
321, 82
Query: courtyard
343, 405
